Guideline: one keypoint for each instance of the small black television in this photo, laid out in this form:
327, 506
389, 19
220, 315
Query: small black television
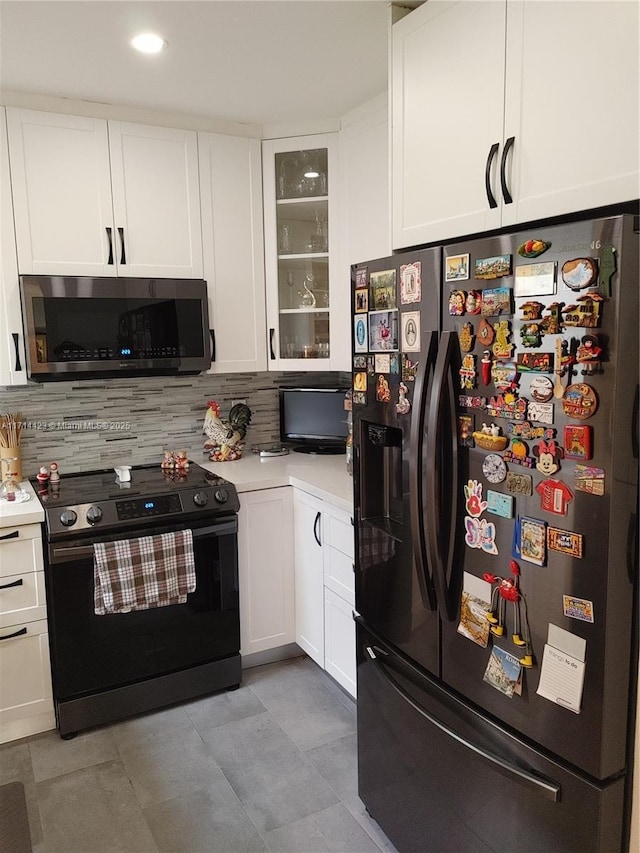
313, 420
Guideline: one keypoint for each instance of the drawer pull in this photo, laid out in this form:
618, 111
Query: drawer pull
15, 634
13, 535
19, 582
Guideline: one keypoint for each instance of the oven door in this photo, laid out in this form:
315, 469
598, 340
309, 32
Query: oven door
93, 653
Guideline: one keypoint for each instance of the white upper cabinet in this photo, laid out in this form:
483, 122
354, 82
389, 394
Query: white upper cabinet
306, 296
156, 200
101, 198
447, 78
507, 111
12, 360
571, 108
233, 247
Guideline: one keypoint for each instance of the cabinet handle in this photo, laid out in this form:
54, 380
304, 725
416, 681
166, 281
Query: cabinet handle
19, 582
272, 353
14, 535
487, 175
315, 528
123, 259
503, 165
15, 634
15, 337
212, 333
110, 261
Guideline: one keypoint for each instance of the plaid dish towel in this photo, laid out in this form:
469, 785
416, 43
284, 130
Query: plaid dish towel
138, 574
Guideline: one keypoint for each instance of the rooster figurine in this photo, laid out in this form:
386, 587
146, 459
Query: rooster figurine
225, 439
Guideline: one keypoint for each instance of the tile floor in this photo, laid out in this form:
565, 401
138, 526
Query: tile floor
269, 767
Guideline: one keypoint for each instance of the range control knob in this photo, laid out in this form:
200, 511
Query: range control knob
94, 514
68, 518
221, 495
200, 499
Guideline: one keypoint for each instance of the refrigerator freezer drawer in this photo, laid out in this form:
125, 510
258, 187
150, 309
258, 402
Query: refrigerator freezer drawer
437, 775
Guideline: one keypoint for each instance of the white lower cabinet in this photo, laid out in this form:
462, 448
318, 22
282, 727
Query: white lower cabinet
265, 569
324, 578
309, 575
339, 640
26, 705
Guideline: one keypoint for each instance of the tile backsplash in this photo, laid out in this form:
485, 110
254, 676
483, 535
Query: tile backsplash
92, 424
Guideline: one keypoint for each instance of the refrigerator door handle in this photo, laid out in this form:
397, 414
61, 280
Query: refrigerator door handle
416, 474
487, 176
503, 170
545, 788
442, 476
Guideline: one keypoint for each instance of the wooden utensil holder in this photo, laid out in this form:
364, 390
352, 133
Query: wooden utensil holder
13, 467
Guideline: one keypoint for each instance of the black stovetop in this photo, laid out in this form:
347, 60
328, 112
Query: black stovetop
97, 501
103, 485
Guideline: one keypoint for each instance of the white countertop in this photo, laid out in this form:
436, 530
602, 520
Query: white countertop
28, 512
325, 477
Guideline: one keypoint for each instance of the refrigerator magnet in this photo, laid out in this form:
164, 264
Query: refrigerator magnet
579, 273
503, 671
403, 406
541, 389
360, 334
499, 504
485, 333
360, 362
565, 542
502, 348
489, 438
534, 362
473, 502
496, 267
579, 401
585, 312
529, 433
411, 283
549, 454
552, 323
383, 331
409, 368
481, 534
518, 454
535, 279
531, 335
531, 540
589, 355
466, 337
457, 299
410, 331
382, 363
361, 301
360, 381
542, 413
577, 608
473, 302
456, 268
555, 496
382, 288
468, 372
465, 430
496, 301
607, 269
588, 479
383, 391
394, 363
577, 442
359, 397
531, 310
494, 468
532, 248
504, 374
519, 484
474, 603
361, 278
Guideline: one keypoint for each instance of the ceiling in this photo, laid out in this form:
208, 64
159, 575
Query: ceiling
250, 61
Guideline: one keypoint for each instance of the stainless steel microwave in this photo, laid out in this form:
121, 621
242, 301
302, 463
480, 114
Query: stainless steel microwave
88, 328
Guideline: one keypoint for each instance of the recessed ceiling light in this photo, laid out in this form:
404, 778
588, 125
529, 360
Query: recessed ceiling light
149, 43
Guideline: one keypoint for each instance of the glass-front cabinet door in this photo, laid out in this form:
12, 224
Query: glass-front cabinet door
300, 178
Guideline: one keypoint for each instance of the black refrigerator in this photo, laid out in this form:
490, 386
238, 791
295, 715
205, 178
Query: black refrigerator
495, 430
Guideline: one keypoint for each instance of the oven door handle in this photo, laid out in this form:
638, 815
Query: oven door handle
78, 552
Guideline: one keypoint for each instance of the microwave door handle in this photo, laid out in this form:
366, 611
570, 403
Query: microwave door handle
123, 258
